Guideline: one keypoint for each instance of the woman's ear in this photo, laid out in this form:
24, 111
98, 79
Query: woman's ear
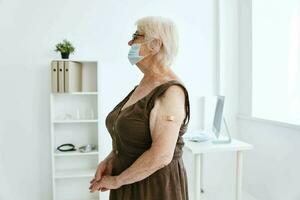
155, 46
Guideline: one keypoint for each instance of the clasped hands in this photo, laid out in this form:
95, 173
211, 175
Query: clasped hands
103, 180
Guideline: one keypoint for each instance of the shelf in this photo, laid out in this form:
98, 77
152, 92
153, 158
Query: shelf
78, 60
75, 121
74, 118
74, 173
84, 199
74, 93
74, 153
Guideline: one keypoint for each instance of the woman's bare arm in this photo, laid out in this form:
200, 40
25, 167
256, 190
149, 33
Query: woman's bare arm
101, 170
110, 156
166, 118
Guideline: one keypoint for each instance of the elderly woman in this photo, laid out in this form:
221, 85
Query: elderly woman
146, 127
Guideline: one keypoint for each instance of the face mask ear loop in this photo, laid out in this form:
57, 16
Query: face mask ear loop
147, 47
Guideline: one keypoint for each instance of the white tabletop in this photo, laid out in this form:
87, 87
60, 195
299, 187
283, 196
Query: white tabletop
208, 146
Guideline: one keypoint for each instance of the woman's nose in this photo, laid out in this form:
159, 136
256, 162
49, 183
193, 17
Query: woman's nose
130, 42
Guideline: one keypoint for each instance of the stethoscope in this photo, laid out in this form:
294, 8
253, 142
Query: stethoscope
71, 147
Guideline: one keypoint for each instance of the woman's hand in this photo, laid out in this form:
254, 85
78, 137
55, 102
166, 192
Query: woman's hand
106, 183
104, 168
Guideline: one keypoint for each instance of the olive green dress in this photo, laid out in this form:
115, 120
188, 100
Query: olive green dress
130, 133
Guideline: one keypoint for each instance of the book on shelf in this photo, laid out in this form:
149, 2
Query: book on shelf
73, 74
54, 76
66, 76
61, 76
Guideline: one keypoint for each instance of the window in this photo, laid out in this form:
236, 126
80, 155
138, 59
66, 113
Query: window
276, 60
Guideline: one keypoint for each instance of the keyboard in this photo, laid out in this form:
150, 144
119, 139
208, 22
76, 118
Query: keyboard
197, 137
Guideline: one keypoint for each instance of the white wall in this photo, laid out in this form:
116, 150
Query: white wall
271, 168
229, 54
279, 36
99, 30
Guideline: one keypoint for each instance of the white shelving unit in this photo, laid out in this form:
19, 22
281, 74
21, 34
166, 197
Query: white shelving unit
75, 119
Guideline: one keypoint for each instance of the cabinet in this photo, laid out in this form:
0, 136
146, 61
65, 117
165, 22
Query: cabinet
75, 119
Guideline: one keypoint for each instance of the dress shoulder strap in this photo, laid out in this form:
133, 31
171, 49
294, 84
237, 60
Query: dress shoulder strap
160, 91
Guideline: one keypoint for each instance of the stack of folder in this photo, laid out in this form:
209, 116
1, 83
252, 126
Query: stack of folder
66, 76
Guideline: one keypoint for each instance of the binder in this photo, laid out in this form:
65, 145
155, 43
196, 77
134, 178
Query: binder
61, 76
54, 76
73, 76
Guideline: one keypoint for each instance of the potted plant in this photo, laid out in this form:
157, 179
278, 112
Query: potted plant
65, 48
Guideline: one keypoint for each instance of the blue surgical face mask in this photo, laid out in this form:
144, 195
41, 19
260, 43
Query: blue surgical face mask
134, 53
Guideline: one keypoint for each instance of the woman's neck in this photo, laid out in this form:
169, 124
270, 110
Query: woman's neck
155, 74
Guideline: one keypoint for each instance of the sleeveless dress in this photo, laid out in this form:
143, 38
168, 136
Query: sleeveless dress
130, 133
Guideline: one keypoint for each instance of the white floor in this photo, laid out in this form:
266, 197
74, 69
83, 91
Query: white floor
224, 196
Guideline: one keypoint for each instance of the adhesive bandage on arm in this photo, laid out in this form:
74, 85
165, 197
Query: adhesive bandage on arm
170, 118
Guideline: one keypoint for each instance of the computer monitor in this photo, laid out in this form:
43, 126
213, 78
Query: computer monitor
216, 128
200, 136
217, 123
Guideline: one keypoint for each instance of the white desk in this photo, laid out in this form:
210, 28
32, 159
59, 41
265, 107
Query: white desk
199, 148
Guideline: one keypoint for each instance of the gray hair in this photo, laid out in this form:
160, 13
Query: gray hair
163, 29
